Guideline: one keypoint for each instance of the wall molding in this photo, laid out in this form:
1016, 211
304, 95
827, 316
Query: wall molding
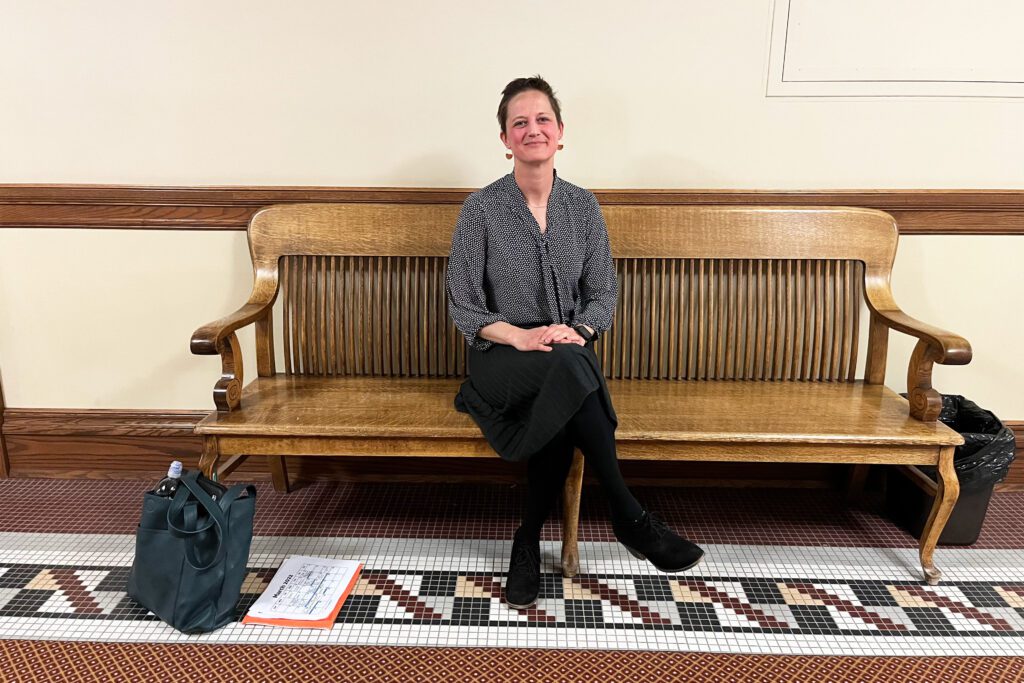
918, 212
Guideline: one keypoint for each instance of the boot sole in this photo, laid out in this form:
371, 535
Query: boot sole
521, 607
640, 556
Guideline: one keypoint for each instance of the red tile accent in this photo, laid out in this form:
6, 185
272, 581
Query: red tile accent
492, 586
858, 611
623, 602
953, 605
403, 597
75, 591
723, 598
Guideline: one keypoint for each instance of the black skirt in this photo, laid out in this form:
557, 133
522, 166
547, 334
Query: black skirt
522, 399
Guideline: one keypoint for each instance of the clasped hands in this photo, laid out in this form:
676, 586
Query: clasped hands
541, 338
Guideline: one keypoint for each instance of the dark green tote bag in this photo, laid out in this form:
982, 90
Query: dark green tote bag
191, 554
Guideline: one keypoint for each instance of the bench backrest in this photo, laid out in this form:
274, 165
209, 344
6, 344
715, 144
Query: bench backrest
771, 293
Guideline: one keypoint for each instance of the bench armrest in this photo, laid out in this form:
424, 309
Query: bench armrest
934, 345
219, 337
208, 339
950, 349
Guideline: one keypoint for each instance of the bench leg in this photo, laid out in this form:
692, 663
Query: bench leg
855, 486
571, 517
279, 473
945, 498
211, 454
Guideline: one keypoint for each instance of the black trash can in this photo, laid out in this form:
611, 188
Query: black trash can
980, 463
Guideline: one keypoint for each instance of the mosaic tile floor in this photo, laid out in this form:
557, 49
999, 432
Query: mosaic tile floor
786, 572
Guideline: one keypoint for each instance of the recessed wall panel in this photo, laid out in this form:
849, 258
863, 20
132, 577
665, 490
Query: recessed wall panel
908, 48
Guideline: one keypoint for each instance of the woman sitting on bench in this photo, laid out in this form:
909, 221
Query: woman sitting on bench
531, 284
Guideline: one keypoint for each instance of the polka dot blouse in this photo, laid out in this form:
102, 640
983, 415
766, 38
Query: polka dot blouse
502, 268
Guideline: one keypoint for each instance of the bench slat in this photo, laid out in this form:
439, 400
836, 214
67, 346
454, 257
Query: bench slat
386, 316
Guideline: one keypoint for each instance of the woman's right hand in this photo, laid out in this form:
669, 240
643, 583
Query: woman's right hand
529, 340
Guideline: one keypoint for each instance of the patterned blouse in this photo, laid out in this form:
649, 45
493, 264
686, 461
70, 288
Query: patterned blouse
502, 268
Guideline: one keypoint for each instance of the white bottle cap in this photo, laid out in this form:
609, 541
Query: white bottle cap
174, 471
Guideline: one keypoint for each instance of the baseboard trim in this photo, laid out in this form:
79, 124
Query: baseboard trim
1015, 479
5, 464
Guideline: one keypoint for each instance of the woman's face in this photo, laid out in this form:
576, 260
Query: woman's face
531, 131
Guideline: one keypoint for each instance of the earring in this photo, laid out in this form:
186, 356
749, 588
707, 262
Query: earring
560, 146
508, 155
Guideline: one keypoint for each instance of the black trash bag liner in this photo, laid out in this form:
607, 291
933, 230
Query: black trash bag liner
988, 449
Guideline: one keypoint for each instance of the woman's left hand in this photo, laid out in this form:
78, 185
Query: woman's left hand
562, 334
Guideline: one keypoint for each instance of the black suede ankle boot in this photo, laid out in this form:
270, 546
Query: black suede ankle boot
649, 538
523, 584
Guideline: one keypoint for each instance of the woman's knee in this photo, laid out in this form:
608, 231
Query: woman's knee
592, 410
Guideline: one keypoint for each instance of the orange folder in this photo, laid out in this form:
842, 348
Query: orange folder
325, 623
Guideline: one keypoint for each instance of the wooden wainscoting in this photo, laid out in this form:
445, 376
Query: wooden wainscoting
102, 444
5, 464
1015, 479
97, 443
126, 444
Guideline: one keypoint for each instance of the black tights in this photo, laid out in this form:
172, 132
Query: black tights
594, 433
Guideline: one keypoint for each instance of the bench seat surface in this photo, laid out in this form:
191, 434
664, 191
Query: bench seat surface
698, 411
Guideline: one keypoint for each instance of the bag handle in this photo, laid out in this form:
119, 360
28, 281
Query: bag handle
187, 530
189, 516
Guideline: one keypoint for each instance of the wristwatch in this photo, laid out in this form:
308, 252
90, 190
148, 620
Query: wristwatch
587, 335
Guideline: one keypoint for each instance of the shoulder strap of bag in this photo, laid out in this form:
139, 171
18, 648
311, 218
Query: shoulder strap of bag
187, 527
233, 494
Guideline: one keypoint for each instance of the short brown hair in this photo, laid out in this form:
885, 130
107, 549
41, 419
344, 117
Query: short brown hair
522, 85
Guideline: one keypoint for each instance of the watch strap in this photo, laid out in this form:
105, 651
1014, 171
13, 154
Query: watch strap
587, 335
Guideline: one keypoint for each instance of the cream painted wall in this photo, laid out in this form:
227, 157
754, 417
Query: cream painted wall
103, 318
112, 331
971, 286
655, 94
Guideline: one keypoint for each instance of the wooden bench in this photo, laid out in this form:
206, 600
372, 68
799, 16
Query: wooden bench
735, 339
